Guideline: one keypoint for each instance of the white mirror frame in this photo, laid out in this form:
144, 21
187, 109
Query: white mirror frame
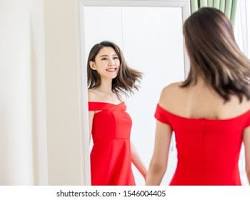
185, 7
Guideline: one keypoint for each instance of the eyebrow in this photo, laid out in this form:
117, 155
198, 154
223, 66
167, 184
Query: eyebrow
107, 55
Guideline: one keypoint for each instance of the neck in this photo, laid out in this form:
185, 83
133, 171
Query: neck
201, 83
106, 86
200, 80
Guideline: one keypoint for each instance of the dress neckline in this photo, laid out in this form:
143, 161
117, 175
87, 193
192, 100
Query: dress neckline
108, 103
204, 119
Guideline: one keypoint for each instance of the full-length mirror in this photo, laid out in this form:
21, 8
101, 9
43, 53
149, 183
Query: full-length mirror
150, 37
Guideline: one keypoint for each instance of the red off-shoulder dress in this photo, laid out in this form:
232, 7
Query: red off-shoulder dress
208, 149
110, 155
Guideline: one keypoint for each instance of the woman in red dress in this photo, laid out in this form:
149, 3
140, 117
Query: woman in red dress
110, 124
209, 112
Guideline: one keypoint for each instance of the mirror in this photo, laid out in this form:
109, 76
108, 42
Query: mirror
150, 36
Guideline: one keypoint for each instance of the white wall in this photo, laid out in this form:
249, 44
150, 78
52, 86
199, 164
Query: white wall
248, 25
40, 93
15, 94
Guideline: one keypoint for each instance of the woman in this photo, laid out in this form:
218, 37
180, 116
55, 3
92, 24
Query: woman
209, 112
108, 77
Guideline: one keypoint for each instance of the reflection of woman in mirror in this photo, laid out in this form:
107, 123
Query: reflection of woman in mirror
112, 154
209, 112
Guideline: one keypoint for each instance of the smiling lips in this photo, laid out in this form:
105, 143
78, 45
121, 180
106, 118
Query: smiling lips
111, 69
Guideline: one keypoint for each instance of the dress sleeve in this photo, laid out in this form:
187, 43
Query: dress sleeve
97, 106
247, 123
162, 115
91, 106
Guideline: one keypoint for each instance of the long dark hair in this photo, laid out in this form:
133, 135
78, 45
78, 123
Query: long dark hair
126, 78
214, 54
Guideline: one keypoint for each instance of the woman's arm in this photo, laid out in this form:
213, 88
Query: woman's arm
163, 133
91, 116
138, 162
91, 97
158, 164
246, 140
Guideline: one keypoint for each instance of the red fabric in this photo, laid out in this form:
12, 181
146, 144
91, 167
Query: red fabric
208, 149
110, 156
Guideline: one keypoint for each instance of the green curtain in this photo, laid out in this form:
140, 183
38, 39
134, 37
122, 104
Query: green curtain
226, 6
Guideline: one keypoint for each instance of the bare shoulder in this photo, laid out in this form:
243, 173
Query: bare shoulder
173, 97
170, 92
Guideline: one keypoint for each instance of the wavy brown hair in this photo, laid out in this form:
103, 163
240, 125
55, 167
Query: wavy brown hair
214, 54
126, 78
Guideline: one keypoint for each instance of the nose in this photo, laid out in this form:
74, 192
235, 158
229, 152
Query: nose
111, 62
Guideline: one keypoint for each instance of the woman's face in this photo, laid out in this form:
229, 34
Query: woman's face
106, 63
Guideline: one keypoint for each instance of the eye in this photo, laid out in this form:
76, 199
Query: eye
116, 57
103, 58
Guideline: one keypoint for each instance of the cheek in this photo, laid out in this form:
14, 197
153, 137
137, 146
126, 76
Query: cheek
100, 66
118, 63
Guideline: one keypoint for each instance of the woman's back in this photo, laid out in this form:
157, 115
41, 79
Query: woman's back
201, 101
208, 134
